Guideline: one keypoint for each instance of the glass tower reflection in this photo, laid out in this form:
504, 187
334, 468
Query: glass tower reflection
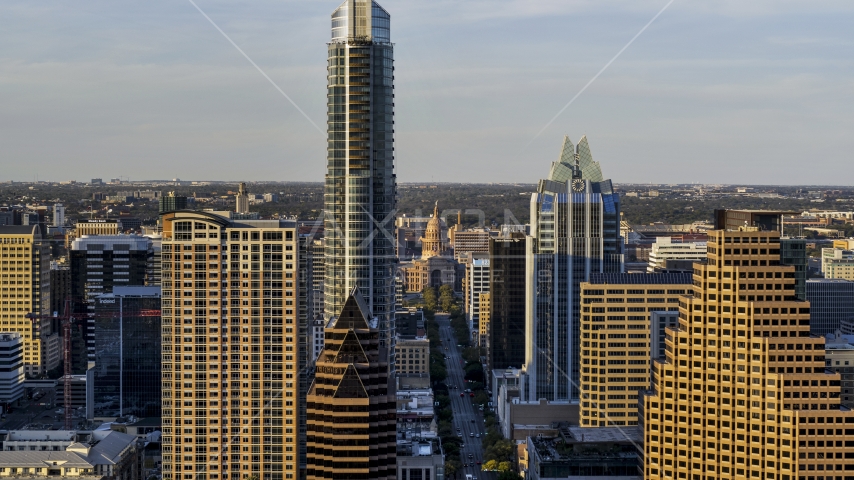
127, 353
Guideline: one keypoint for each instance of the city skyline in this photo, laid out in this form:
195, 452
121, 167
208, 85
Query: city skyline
158, 88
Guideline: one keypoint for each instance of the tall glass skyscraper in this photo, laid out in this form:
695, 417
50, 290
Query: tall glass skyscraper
575, 231
359, 198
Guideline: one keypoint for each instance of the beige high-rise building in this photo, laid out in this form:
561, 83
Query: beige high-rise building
230, 348
743, 391
25, 290
615, 341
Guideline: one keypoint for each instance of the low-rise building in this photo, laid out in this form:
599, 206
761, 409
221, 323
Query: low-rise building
586, 453
665, 248
420, 460
416, 417
837, 263
99, 454
412, 355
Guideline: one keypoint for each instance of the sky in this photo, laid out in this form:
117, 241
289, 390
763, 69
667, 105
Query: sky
727, 91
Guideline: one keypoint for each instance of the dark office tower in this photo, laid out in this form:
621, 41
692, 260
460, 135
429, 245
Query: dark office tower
793, 252
359, 199
171, 203
831, 303
100, 262
305, 277
60, 287
507, 301
351, 407
575, 232
127, 353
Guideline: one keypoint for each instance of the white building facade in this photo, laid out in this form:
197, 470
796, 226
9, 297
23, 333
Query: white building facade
11, 366
665, 249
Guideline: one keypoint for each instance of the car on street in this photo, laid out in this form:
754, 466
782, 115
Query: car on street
472, 420
471, 434
471, 394
462, 394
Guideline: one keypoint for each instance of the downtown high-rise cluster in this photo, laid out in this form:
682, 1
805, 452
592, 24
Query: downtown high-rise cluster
285, 349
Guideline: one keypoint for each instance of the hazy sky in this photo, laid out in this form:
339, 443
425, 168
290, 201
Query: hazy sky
731, 91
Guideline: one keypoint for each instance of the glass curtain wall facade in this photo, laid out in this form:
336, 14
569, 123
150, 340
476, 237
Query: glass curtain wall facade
575, 231
359, 197
127, 353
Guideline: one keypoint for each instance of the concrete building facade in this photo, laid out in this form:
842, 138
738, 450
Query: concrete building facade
230, 347
837, 263
665, 249
743, 391
616, 341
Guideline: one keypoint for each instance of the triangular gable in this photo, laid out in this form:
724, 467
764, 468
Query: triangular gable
351, 350
355, 314
350, 385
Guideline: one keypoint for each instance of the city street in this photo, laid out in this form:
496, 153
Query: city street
468, 419
32, 412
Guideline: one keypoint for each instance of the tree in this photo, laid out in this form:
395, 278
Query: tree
429, 294
490, 465
509, 475
438, 372
452, 467
447, 303
504, 466
474, 372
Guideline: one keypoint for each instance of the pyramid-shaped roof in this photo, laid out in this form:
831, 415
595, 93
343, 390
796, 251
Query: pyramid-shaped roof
350, 385
355, 314
351, 350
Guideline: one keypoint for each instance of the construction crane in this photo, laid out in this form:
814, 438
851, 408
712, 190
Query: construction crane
66, 320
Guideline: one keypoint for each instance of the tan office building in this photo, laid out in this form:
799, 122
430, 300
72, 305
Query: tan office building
615, 341
412, 355
230, 348
25, 289
743, 391
351, 408
483, 324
